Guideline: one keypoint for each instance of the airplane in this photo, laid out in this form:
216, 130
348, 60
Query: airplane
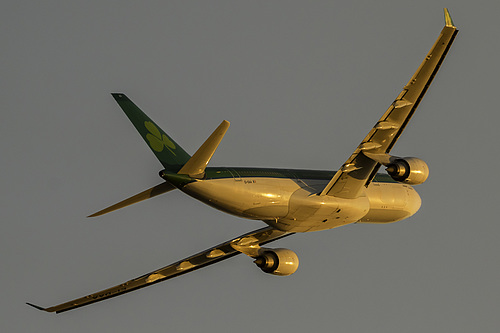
289, 201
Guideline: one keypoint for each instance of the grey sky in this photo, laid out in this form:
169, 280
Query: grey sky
302, 83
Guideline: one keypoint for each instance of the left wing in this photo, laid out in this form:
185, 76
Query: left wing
211, 256
359, 169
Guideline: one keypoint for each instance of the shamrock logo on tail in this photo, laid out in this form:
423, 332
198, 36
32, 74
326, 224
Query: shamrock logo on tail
158, 141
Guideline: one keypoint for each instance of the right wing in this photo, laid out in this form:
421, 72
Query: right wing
358, 171
211, 256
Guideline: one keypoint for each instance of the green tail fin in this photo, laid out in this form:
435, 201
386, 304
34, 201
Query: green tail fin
168, 152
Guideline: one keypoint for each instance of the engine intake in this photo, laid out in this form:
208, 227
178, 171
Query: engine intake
278, 261
408, 170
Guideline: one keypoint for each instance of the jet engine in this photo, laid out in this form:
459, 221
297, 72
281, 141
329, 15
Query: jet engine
408, 170
277, 261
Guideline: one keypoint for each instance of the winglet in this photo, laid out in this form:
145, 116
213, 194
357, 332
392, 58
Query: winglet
447, 18
37, 307
196, 165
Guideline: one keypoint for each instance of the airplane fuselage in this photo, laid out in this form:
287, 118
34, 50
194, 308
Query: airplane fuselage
288, 199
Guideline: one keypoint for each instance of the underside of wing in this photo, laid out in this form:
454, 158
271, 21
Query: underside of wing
358, 171
211, 256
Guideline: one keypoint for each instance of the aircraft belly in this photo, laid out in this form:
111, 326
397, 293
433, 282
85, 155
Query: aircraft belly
294, 206
311, 212
255, 198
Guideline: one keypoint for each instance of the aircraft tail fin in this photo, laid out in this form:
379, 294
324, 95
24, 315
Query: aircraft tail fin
168, 152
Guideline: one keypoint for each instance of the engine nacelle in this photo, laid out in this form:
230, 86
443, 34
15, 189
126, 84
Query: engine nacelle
278, 261
408, 170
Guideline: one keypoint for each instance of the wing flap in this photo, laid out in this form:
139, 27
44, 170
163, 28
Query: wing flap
358, 171
208, 257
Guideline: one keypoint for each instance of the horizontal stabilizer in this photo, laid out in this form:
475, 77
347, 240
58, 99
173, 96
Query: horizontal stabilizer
196, 165
149, 193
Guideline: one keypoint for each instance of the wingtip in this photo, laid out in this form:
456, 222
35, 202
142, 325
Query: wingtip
36, 307
447, 18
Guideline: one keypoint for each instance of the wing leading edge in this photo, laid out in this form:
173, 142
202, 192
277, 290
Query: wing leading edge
208, 257
358, 171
